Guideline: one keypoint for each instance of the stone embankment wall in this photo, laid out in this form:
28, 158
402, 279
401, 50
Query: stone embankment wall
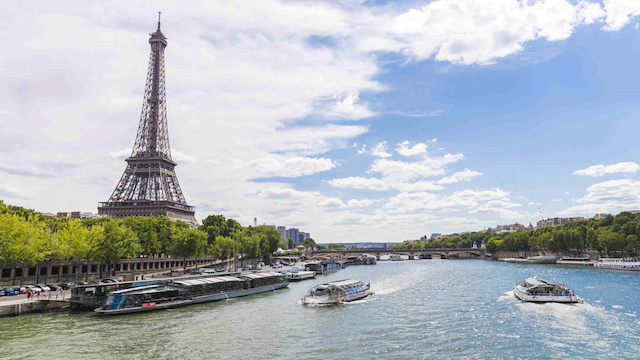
524, 254
18, 308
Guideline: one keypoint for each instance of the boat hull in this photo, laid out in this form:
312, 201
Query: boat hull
195, 300
310, 300
546, 299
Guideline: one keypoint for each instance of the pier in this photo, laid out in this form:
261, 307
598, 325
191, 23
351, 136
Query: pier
17, 305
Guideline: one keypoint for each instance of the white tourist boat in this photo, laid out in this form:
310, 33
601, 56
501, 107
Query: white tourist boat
337, 292
617, 264
544, 291
395, 257
300, 275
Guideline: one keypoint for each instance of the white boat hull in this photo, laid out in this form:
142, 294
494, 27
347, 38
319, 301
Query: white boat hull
325, 300
545, 299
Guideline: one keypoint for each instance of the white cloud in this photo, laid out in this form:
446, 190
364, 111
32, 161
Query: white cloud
534, 203
458, 201
120, 154
380, 150
441, 149
600, 170
335, 203
411, 170
348, 108
278, 193
608, 196
465, 175
417, 149
479, 32
12, 193
179, 156
502, 208
620, 12
271, 167
356, 182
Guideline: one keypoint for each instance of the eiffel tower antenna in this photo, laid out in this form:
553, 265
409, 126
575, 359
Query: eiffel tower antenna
149, 185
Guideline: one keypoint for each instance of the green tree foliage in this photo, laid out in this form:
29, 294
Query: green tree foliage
75, 242
592, 239
283, 246
22, 240
290, 243
216, 226
223, 248
118, 242
632, 246
188, 243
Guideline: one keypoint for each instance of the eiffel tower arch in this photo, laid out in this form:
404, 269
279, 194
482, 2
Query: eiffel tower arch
149, 185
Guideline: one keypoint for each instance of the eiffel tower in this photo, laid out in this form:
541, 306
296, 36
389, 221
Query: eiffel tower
149, 185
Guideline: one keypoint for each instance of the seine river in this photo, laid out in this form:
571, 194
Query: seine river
423, 309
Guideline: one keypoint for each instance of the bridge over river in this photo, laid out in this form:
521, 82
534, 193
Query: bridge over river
411, 253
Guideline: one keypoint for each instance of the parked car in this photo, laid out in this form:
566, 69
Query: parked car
43, 287
9, 291
53, 287
33, 288
2, 292
21, 289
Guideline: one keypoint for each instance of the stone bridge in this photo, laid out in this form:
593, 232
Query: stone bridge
411, 253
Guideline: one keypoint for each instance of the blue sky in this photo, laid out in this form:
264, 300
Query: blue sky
498, 107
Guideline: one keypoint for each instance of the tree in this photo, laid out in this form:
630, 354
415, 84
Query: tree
310, 243
223, 248
592, 239
610, 241
632, 246
188, 243
75, 241
491, 246
117, 243
22, 240
146, 228
290, 243
282, 246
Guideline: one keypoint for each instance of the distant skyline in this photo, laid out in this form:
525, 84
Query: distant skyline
358, 121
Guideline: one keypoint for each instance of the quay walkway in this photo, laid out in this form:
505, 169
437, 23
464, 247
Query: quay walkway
19, 304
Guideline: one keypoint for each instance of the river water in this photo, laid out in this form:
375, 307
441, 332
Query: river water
423, 309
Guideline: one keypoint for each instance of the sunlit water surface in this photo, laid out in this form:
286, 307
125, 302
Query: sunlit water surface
428, 309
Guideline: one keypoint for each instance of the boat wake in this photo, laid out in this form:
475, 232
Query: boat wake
506, 296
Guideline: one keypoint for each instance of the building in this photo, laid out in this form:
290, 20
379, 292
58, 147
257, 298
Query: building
271, 226
552, 222
300, 238
436, 236
293, 234
149, 185
501, 229
600, 216
283, 233
76, 215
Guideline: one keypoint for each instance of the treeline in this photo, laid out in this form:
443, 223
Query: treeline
28, 237
612, 234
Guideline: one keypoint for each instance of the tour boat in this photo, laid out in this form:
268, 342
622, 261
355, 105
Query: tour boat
300, 275
617, 264
186, 292
425, 257
395, 257
337, 292
543, 291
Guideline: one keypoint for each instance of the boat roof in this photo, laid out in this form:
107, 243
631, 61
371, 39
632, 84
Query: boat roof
261, 275
346, 282
140, 289
534, 281
204, 281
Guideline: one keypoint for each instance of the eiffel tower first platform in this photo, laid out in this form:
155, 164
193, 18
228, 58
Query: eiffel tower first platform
149, 185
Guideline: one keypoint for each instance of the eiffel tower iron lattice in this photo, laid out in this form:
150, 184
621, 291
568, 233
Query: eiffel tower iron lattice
149, 185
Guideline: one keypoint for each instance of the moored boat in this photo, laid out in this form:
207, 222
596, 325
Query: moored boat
337, 292
425, 257
395, 257
300, 275
186, 292
544, 291
629, 264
